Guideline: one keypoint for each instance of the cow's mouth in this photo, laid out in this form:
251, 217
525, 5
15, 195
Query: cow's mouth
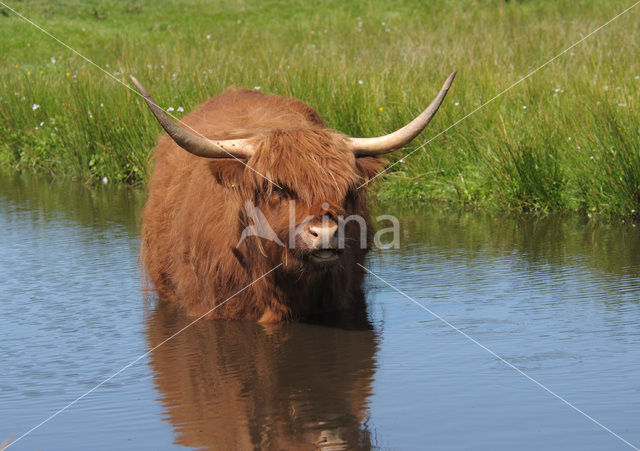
324, 256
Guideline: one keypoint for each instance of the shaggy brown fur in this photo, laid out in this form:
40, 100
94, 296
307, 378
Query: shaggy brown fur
195, 213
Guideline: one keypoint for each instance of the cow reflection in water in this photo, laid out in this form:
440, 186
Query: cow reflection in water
242, 385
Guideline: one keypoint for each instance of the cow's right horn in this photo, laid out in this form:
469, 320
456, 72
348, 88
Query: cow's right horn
197, 145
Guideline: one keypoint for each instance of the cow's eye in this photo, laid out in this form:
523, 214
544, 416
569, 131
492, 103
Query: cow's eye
281, 193
350, 197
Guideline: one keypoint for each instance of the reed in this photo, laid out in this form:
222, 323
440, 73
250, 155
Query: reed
567, 138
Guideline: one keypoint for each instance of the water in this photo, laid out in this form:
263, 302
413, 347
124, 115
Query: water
559, 298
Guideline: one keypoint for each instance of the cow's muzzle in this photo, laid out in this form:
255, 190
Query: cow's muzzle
324, 258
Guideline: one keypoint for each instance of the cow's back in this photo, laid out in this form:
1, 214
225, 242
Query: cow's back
238, 113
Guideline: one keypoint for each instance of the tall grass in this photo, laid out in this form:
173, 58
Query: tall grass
567, 138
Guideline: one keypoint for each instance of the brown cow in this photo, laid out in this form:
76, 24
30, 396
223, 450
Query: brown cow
250, 152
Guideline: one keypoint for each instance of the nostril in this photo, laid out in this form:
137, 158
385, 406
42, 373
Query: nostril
321, 236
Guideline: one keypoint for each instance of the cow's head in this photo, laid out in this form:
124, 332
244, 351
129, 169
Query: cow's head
300, 183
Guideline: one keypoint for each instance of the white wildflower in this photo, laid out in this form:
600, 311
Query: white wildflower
637, 77
622, 104
360, 82
105, 180
208, 36
606, 88
53, 60
257, 88
524, 107
457, 103
101, 105
41, 123
180, 109
35, 106
170, 109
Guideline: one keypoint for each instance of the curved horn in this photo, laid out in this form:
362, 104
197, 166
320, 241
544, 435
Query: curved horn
387, 143
197, 145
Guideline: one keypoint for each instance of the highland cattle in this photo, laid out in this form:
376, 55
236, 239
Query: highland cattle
245, 217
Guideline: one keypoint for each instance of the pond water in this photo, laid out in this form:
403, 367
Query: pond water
558, 298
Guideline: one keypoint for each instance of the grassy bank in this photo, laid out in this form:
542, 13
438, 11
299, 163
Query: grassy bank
568, 138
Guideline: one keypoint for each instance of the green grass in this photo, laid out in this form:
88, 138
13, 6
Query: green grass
367, 68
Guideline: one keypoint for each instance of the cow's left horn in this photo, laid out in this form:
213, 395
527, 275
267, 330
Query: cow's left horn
387, 143
200, 146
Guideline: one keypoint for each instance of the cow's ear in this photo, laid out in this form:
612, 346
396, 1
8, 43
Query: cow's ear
368, 167
228, 172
